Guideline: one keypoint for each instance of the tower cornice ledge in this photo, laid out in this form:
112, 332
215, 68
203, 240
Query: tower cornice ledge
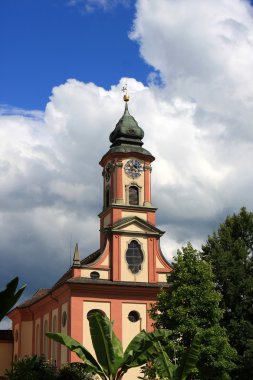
127, 207
123, 152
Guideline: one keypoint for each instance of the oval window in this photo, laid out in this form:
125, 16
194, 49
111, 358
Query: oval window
134, 316
94, 275
134, 257
64, 319
93, 311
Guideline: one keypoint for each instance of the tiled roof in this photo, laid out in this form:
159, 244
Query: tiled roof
36, 297
63, 278
92, 257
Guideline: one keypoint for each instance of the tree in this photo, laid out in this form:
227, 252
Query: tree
187, 365
230, 251
10, 296
110, 362
190, 306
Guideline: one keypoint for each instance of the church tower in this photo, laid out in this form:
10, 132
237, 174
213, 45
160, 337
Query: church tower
129, 238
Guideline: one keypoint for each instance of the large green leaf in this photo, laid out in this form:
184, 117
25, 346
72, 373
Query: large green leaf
164, 366
9, 297
107, 346
141, 348
189, 359
73, 345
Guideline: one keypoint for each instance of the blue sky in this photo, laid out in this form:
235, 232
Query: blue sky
46, 42
63, 64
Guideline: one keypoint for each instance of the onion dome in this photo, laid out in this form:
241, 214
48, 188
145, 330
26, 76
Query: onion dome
127, 136
127, 131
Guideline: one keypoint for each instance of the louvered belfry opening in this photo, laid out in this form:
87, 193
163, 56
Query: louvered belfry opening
107, 198
133, 195
134, 256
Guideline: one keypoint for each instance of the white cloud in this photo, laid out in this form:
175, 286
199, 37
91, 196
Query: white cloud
89, 6
198, 125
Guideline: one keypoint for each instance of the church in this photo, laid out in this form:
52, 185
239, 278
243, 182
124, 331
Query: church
122, 278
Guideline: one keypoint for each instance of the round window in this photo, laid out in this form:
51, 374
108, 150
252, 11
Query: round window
134, 316
93, 311
64, 319
94, 275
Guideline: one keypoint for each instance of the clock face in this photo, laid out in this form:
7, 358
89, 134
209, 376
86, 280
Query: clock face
133, 168
108, 171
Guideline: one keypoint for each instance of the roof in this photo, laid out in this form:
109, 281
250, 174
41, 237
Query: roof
127, 131
83, 280
36, 297
91, 258
127, 136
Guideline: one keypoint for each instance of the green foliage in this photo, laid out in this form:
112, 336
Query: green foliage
9, 297
186, 366
230, 251
112, 363
88, 359
74, 371
164, 368
31, 368
37, 368
191, 306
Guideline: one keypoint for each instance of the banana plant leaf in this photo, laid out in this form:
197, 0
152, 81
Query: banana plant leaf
9, 297
189, 359
90, 362
187, 365
164, 366
107, 346
141, 349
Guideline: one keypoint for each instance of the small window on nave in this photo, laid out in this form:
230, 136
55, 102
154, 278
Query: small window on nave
134, 256
94, 275
134, 316
133, 195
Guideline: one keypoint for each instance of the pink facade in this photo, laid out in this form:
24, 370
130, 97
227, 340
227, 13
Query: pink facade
121, 278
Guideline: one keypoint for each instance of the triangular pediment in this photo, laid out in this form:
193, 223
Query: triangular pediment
135, 225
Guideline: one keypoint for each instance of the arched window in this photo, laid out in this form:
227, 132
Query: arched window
54, 344
134, 256
133, 195
45, 343
107, 197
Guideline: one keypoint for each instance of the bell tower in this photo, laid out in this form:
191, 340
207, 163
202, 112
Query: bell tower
127, 221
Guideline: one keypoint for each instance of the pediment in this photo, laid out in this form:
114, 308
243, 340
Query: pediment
135, 225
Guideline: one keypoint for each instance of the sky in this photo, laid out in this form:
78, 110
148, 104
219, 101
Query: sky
63, 65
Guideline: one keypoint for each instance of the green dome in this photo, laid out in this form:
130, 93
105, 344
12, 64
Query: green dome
127, 131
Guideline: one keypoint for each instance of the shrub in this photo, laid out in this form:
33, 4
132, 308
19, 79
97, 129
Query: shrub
32, 368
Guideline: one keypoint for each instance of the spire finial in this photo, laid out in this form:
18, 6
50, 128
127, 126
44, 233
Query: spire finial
76, 258
124, 90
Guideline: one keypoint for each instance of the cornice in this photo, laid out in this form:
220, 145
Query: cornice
127, 207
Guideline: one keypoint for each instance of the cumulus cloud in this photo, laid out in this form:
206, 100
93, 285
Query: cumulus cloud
203, 53
197, 124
